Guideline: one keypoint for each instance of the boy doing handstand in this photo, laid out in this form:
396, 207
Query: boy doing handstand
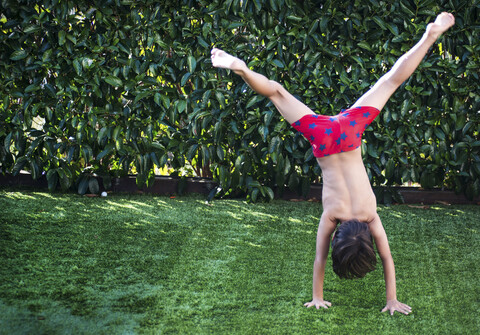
347, 196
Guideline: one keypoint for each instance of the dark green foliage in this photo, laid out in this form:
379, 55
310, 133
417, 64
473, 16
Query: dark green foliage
142, 265
110, 87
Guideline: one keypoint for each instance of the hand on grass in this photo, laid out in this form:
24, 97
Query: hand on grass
395, 305
318, 303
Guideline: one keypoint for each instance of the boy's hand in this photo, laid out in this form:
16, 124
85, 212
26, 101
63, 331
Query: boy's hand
318, 303
395, 305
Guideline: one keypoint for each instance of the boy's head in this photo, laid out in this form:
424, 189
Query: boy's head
353, 254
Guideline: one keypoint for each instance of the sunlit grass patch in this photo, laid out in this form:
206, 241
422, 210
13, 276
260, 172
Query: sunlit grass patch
146, 264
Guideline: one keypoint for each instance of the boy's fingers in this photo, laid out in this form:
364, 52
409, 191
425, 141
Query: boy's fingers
325, 305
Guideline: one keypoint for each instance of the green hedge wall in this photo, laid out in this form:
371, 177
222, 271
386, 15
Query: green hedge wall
109, 87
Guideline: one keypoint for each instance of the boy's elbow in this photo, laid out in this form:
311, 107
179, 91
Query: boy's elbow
386, 258
319, 261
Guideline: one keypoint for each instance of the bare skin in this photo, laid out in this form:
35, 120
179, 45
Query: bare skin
347, 193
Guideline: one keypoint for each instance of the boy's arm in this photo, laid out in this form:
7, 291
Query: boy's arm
381, 241
325, 230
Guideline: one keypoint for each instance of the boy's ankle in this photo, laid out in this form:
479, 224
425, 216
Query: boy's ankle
239, 66
431, 34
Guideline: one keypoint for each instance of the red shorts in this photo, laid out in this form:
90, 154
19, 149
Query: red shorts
330, 135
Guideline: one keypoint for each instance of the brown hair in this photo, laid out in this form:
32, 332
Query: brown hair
353, 254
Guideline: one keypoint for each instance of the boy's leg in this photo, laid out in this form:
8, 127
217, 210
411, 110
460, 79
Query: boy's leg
290, 108
379, 94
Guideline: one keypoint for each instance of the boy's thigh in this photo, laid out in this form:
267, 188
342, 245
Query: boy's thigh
290, 107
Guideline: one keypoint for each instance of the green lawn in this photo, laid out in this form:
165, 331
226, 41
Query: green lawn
154, 265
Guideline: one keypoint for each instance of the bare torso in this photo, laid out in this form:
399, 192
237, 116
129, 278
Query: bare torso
347, 193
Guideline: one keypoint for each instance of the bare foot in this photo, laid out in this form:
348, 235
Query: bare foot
226, 61
442, 23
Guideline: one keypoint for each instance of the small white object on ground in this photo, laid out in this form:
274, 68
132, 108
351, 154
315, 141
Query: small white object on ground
104, 194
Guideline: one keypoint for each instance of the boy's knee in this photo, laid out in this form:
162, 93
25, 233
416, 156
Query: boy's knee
276, 88
392, 80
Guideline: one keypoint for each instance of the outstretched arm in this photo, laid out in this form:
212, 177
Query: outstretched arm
381, 241
325, 230
404, 67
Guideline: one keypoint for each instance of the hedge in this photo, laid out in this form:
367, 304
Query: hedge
105, 88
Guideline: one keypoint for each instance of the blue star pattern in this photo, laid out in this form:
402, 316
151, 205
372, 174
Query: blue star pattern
329, 135
343, 136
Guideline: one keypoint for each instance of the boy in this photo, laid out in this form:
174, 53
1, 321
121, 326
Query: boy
347, 196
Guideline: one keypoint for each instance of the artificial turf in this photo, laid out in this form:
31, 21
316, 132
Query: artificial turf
155, 265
